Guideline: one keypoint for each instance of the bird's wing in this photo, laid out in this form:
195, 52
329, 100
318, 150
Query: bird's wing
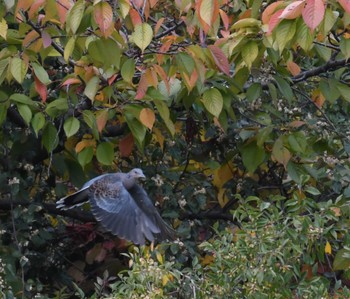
146, 205
117, 211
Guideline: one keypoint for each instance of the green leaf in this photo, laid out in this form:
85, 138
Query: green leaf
250, 52
252, 156
213, 101
38, 122
284, 33
105, 53
50, 138
263, 135
22, 99
329, 90
253, 92
342, 260
92, 88
303, 36
163, 110
75, 16
90, 120
69, 48
18, 69
142, 35
41, 74
128, 70
284, 88
185, 62
312, 190
137, 129
297, 142
25, 112
71, 126
57, 107
343, 89
105, 153
85, 156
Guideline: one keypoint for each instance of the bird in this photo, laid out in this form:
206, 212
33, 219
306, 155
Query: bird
122, 207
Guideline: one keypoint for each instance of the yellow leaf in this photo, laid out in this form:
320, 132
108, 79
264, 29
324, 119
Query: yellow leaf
147, 118
328, 248
142, 36
222, 198
222, 175
336, 211
165, 280
159, 258
3, 28
207, 260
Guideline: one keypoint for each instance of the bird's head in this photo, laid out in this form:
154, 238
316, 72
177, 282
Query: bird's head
136, 173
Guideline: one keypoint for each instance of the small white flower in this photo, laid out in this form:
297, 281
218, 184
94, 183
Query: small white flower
13, 181
182, 203
158, 180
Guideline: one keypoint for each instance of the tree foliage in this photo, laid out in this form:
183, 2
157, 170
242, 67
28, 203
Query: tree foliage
238, 112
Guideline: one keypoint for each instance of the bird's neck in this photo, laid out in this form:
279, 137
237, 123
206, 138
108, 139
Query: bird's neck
129, 183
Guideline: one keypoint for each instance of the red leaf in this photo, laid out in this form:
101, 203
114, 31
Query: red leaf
103, 16
63, 6
225, 19
220, 59
101, 119
40, 88
46, 39
111, 79
274, 21
71, 81
293, 10
270, 10
35, 8
126, 146
142, 88
135, 17
345, 4
313, 13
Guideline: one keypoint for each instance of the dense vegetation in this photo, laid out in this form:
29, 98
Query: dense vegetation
238, 113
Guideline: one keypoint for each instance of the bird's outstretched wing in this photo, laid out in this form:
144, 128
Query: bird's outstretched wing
115, 208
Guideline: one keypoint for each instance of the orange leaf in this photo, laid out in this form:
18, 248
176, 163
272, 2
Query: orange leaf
159, 137
270, 10
308, 270
159, 23
293, 68
111, 79
208, 12
83, 144
151, 77
142, 88
313, 13
191, 80
126, 146
220, 59
293, 10
296, 123
135, 17
103, 16
147, 117
101, 119
23, 5
30, 37
161, 73
41, 89
318, 98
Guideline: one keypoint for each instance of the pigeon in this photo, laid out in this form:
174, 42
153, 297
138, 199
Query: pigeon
122, 207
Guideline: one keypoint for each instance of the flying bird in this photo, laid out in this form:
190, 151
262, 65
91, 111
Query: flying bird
122, 207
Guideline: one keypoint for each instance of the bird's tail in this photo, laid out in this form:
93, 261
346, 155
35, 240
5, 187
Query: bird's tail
73, 200
166, 232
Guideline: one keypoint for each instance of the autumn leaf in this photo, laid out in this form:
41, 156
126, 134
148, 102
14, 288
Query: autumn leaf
147, 117
208, 12
142, 36
293, 10
328, 248
220, 59
41, 89
313, 13
103, 16
293, 68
